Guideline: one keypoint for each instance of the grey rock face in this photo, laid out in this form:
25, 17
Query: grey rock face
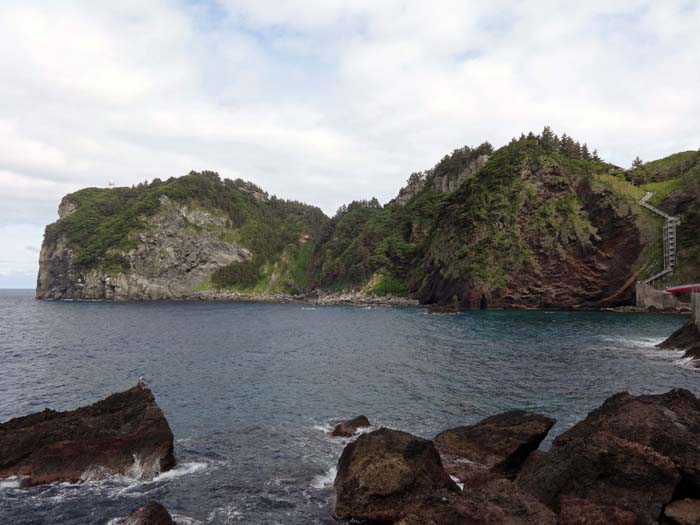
178, 249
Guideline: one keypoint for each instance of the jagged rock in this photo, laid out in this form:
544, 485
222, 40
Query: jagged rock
349, 427
486, 499
622, 463
152, 513
683, 512
386, 473
499, 443
668, 423
125, 433
687, 338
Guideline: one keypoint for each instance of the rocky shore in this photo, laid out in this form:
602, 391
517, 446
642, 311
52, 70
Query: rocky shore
633, 461
123, 434
687, 337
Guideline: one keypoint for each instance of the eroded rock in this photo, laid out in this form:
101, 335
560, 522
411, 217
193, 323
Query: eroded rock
125, 433
499, 443
387, 473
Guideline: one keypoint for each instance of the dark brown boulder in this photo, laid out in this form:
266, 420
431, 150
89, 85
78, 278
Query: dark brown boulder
683, 512
486, 499
386, 473
349, 427
668, 423
601, 475
153, 513
125, 433
499, 443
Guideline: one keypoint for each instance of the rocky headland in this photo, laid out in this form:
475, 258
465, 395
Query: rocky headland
538, 223
633, 461
123, 434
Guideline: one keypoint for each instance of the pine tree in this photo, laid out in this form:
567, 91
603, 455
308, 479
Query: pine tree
637, 163
585, 154
595, 155
547, 139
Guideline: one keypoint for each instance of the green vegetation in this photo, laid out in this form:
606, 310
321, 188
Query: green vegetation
673, 166
530, 197
105, 220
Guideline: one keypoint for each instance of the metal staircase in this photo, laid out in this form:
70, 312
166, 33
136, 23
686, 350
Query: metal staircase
669, 238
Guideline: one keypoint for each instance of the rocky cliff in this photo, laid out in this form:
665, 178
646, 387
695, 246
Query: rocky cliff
169, 239
538, 223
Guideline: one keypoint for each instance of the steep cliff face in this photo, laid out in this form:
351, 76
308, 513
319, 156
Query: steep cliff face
540, 237
177, 248
167, 240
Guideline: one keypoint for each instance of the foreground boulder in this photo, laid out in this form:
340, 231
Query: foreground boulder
125, 433
628, 459
602, 475
667, 423
385, 474
499, 443
153, 513
486, 499
349, 427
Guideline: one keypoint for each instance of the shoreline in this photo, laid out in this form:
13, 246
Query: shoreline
361, 300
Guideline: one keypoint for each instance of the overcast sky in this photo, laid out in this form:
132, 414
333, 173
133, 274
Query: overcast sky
322, 101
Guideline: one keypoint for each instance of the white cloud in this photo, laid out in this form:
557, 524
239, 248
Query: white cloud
324, 101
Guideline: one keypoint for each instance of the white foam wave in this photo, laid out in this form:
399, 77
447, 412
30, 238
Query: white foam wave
181, 470
13, 482
326, 428
228, 513
635, 342
457, 482
324, 481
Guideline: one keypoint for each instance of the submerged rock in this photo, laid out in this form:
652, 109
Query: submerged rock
125, 433
349, 427
152, 513
387, 473
499, 443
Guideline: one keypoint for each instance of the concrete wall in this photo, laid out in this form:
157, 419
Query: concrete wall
649, 297
695, 310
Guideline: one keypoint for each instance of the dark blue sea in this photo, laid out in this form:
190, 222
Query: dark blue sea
251, 389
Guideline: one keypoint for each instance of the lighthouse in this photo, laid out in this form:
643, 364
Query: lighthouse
111, 184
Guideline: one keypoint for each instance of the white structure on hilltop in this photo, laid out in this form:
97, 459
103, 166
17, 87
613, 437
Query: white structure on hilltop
111, 184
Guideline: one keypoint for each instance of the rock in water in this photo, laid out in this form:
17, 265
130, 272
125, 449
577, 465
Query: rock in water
386, 473
349, 427
153, 513
499, 443
626, 459
126, 434
687, 338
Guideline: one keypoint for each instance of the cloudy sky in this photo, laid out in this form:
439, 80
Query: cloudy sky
320, 100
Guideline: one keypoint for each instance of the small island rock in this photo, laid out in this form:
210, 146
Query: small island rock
349, 427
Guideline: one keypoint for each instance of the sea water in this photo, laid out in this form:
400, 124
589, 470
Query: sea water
252, 389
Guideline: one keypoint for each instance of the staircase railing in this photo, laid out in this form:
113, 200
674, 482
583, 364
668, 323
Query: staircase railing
669, 234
